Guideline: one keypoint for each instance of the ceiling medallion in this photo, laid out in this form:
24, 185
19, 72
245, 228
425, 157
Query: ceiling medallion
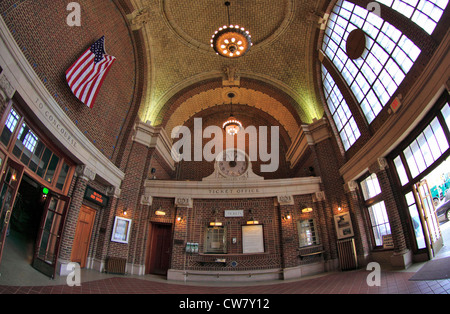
232, 126
231, 41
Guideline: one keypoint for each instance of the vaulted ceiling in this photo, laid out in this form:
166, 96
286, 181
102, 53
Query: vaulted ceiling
278, 75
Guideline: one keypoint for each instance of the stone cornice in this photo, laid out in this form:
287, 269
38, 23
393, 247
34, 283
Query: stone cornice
227, 189
155, 137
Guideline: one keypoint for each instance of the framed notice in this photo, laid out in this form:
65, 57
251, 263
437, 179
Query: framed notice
343, 224
252, 239
121, 231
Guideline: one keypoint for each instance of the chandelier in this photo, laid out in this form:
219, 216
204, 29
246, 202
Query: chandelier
231, 41
232, 126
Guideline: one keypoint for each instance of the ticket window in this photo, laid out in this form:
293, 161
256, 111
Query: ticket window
216, 240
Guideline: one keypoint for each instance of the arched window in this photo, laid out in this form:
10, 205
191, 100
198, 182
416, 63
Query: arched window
388, 57
342, 116
425, 13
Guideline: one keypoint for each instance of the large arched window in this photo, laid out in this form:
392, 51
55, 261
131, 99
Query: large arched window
425, 13
388, 57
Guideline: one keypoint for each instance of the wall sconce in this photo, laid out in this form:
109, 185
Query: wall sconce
215, 224
252, 220
160, 212
287, 217
307, 210
124, 212
339, 209
180, 219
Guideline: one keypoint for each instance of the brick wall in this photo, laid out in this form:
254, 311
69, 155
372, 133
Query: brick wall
196, 170
51, 47
205, 211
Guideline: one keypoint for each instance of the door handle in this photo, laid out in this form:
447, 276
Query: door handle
7, 216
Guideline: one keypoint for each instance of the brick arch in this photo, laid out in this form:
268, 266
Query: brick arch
217, 98
261, 95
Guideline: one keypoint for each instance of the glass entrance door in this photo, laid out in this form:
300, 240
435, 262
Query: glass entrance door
49, 237
9, 185
427, 214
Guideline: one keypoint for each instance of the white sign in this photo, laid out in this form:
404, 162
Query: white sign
234, 213
252, 239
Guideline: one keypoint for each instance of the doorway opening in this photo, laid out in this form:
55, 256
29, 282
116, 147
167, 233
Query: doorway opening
439, 184
23, 228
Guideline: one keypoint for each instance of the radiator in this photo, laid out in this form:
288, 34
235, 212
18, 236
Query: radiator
115, 265
347, 254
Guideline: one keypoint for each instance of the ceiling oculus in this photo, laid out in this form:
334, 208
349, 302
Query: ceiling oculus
231, 41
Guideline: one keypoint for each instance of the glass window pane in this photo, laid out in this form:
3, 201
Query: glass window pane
307, 232
401, 171
415, 219
10, 126
51, 169
62, 176
379, 221
425, 13
370, 187
342, 116
446, 113
44, 162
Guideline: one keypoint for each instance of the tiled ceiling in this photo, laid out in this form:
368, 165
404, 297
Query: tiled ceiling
178, 33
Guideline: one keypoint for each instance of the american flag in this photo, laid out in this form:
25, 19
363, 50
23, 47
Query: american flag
86, 75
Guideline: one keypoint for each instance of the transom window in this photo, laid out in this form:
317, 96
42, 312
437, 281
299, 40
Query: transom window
425, 13
32, 152
376, 208
389, 55
370, 187
425, 149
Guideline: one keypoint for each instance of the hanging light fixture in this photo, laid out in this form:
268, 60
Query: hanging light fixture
231, 41
232, 126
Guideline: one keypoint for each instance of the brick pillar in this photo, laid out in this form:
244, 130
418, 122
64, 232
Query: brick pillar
324, 217
141, 226
106, 222
363, 247
83, 176
132, 187
179, 258
289, 236
402, 255
327, 161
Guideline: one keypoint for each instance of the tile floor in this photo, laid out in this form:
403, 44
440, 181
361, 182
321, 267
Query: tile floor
351, 282
21, 278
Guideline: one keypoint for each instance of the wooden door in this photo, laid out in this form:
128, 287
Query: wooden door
160, 249
49, 237
83, 235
